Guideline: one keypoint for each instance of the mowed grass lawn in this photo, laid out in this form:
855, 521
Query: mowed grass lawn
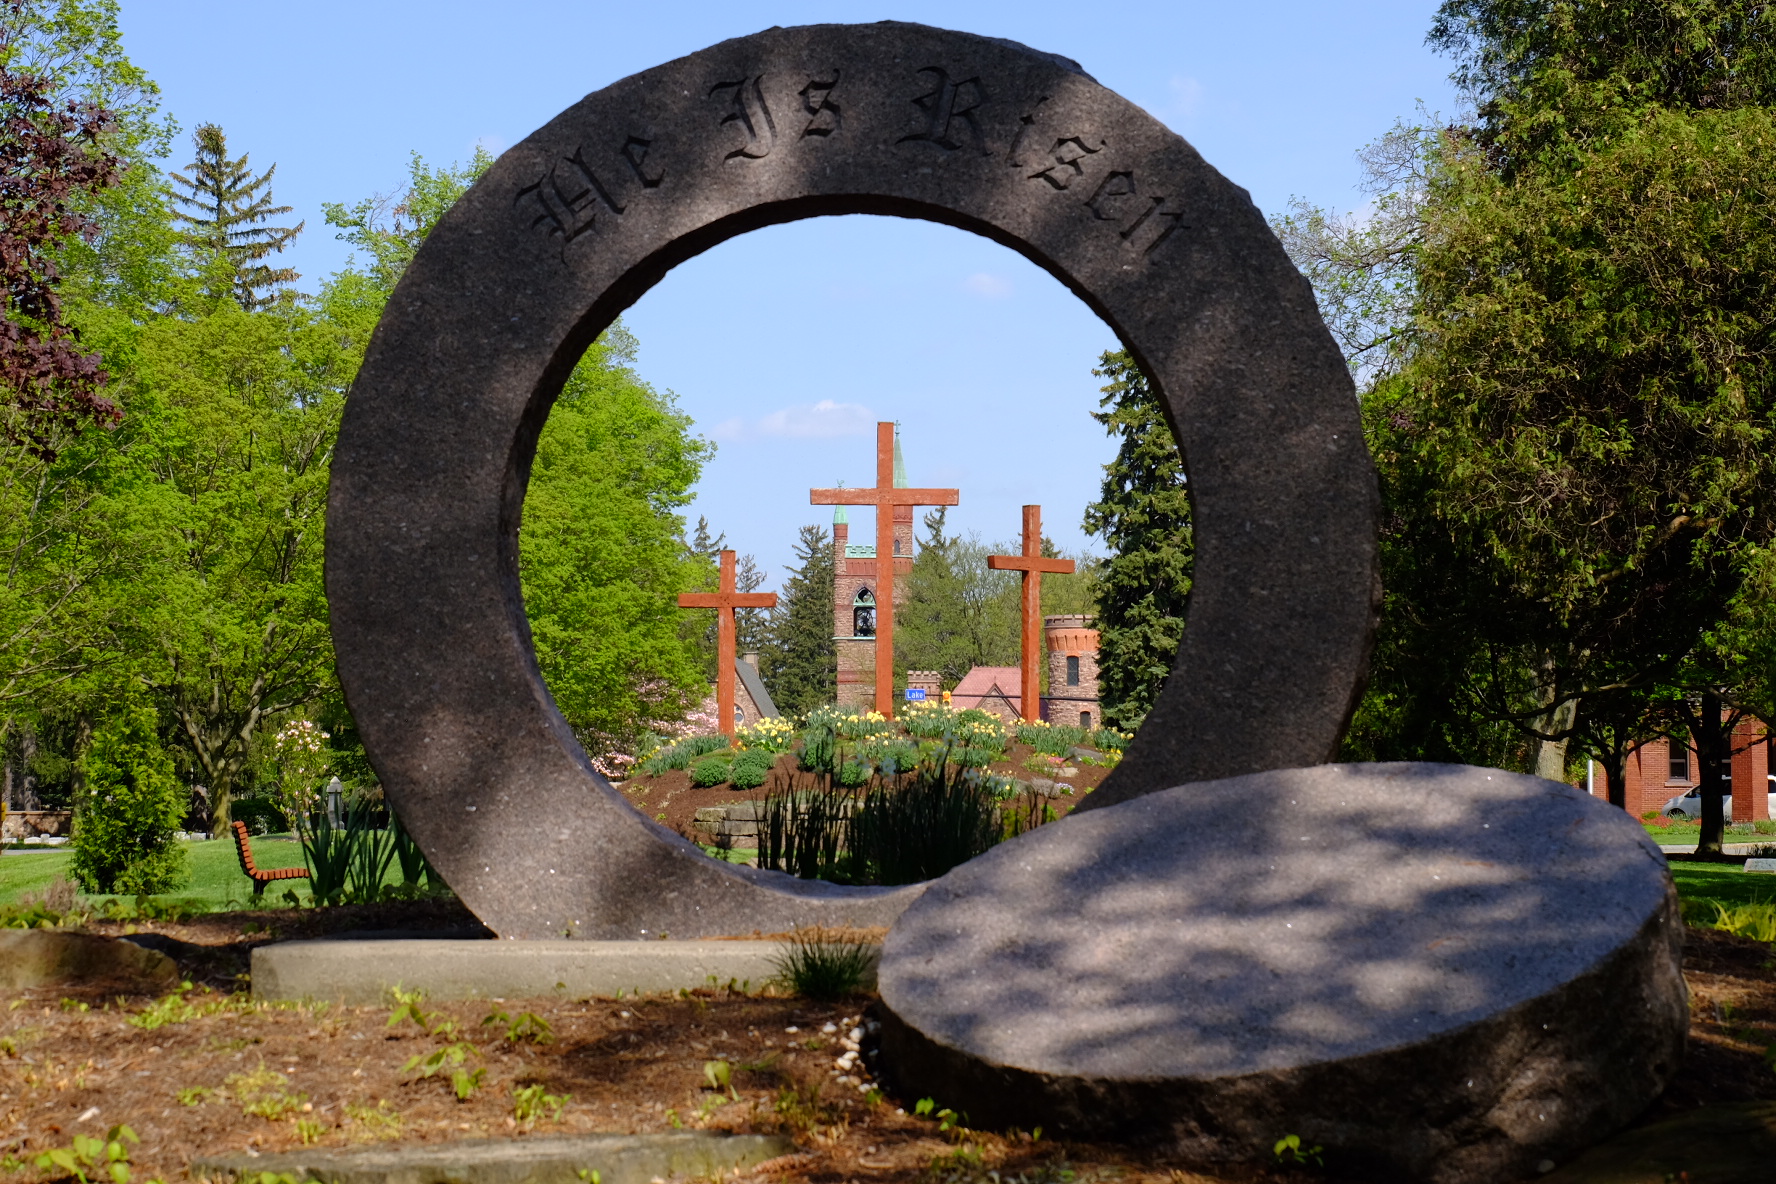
218, 883
216, 879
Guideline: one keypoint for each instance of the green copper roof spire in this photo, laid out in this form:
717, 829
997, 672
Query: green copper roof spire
839, 518
900, 481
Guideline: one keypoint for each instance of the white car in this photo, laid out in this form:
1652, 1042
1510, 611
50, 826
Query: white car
1689, 805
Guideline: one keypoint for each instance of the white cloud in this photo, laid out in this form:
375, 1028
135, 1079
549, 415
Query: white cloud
824, 420
992, 287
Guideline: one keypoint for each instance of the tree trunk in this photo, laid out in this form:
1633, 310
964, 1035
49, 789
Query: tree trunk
1710, 747
1551, 754
1615, 776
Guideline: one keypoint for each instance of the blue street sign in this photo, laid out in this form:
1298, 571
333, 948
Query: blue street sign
915, 694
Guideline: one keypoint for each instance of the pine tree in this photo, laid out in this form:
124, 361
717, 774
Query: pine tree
799, 663
1143, 514
932, 629
229, 203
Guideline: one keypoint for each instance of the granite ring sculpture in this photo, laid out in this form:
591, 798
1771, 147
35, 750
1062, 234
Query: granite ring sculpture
1446, 1018
571, 226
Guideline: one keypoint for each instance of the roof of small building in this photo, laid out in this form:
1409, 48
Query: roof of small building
982, 681
755, 686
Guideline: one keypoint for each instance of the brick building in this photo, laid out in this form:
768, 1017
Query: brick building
1072, 697
1662, 769
855, 577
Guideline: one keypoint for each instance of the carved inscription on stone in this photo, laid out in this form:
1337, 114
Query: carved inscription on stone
566, 199
951, 109
825, 115
750, 114
1066, 154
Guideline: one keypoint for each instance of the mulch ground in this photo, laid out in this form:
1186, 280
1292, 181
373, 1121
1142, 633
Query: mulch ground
211, 1073
671, 793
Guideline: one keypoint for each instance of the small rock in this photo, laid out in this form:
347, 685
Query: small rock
40, 957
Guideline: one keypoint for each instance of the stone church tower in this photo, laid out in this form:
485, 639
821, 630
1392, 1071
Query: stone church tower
855, 576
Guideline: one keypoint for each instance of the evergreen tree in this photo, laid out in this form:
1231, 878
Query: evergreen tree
1143, 515
958, 613
229, 204
128, 813
799, 663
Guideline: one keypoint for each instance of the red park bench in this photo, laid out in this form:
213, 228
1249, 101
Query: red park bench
261, 877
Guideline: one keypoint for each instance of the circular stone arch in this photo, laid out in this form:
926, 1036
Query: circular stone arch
571, 226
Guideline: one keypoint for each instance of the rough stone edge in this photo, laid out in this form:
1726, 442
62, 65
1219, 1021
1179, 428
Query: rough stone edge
628, 1159
1414, 1133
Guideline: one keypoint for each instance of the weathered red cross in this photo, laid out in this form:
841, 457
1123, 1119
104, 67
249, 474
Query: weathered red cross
724, 602
884, 497
1032, 564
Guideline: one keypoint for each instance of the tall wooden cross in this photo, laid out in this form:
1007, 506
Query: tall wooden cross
884, 497
1032, 564
724, 602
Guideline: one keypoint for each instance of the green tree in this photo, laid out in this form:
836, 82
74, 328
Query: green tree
1143, 516
798, 660
227, 205
958, 612
127, 815
601, 558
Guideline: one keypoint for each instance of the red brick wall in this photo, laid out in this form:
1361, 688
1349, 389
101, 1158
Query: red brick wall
1650, 784
857, 656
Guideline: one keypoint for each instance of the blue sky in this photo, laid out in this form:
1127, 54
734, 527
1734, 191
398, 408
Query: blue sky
787, 344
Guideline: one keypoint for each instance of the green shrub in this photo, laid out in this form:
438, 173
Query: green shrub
750, 768
712, 770
816, 966
127, 818
1756, 921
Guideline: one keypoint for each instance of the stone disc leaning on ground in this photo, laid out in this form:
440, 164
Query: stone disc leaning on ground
570, 227
1432, 971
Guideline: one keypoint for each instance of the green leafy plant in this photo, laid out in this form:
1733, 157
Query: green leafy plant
1756, 920
408, 1010
262, 1093
378, 1120
817, 966
750, 768
450, 1059
530, 1101
106, 1158
309, 1132
711, 770
719, 1076
1289, 1150
528, 1025
917, 827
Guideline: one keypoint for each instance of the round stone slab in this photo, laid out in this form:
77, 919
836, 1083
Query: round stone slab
570, 227
1435, 972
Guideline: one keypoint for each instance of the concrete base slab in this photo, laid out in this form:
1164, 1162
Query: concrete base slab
618, 1159
1437, 973
363, 971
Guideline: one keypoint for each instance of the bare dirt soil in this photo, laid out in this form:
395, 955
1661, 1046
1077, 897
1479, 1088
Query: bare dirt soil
208, 1072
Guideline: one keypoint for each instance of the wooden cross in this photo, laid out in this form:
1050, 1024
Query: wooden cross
1032, 564
724, 602
884, 497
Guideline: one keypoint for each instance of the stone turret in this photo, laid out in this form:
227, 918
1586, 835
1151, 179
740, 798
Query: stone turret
1072, 697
